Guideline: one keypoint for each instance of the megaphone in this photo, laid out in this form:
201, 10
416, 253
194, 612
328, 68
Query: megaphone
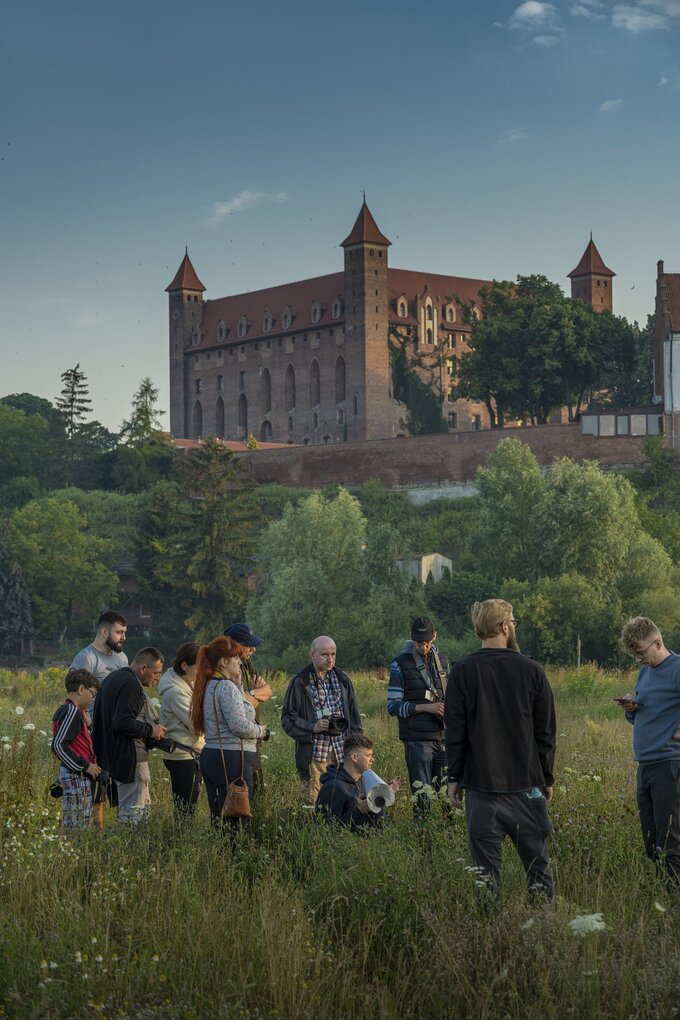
379, 794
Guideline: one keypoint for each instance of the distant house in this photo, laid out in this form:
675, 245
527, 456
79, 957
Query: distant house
421, 567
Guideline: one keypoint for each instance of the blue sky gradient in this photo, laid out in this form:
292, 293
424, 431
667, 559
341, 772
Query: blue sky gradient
490, 137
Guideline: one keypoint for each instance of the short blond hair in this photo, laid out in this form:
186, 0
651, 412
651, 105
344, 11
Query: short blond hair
489, 616
637, 631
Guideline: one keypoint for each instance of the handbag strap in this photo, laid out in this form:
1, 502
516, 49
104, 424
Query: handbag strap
219, 741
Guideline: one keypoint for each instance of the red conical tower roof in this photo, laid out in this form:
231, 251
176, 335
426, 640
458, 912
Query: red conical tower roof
365, 230
591, 263
185, 277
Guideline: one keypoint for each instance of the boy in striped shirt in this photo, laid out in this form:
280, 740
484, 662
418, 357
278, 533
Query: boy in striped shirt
72, 744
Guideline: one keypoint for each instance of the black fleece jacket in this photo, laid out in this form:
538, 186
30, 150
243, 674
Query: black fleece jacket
499, 716
338, 799
115, 726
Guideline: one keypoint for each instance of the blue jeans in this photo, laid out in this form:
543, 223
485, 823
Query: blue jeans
213, 769
426, 764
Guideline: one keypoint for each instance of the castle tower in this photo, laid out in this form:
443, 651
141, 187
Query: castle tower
186, 314
366, 326
591, 281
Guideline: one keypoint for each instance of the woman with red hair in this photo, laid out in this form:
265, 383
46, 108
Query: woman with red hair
220, 711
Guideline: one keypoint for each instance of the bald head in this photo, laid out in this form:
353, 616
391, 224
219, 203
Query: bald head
322, 654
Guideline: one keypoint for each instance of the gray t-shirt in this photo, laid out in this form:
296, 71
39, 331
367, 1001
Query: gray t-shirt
98, 663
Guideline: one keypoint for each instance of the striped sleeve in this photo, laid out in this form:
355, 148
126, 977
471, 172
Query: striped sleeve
69, 722
395, 694
231, 702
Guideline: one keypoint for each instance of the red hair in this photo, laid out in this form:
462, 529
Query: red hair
206, 661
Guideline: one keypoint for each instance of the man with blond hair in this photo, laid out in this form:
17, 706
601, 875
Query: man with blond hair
499, 716
654, 712
319, 711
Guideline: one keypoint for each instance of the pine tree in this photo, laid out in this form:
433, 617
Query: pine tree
16, 618
74, 404
143, 425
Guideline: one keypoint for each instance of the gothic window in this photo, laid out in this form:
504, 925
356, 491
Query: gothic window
267, 322
265, 392
290, 424
221, 332
242, 417
337, 308
340, 388
198, 420
340, 416
429, 336
195, 336
476, 422
197, 385
242, 326
315, 421
316, 311
220, 382
290, 388
451, 366
402, 309
428, 313
450, 313
219, 418
242, 380
266, 432
314, 384
287, 318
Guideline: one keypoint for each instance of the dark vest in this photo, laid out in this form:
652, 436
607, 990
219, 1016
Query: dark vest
417, 682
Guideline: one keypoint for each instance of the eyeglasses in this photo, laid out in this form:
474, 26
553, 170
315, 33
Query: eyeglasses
512, 620
640, 655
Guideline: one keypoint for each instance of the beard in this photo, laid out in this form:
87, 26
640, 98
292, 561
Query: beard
512, 642
115, 646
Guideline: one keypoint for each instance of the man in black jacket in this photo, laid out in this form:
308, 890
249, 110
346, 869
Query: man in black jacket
341, 796
415, 695
500, 744
319, 711
122, 730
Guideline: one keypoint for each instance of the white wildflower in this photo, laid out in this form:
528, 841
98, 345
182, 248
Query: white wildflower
659, 907
21, 743
78, 957
29, 726
43, 964
53, 965
528, 924
19, 710
5, 740
7, 747
154, 958
584, 924
597, 779
99, 959
43, 733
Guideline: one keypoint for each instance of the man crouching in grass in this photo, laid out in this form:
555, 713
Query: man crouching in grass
341, 796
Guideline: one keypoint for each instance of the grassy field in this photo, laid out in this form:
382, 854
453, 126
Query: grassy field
165, 922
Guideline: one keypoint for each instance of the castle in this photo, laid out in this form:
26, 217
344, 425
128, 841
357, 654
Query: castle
311, 362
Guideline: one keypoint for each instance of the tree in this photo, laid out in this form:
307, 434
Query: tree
16, 618
201, 540
144, 424
532, 351
22, 443
62, 565
74, 405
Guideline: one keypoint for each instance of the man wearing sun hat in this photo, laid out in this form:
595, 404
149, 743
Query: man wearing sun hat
255, 688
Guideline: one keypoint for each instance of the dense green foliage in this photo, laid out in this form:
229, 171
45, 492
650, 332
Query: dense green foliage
302, 922
533, 350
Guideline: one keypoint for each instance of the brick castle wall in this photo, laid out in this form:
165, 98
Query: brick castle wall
432, 460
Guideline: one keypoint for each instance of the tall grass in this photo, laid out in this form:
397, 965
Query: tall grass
301, 922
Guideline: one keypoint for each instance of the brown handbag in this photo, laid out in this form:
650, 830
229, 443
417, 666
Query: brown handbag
236, 802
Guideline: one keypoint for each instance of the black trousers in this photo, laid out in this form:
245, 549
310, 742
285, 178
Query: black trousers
213, 769
186, 784
658, 797
493, 816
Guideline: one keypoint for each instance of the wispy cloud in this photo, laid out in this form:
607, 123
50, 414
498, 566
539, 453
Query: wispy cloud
593, 10
610, 105
646, 15
512, 135
545, 40
246, 199
532, 14
663, 80
89, 318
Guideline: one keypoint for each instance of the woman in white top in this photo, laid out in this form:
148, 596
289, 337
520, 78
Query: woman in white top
175, 689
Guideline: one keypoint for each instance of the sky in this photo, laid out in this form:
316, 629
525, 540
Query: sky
490, 137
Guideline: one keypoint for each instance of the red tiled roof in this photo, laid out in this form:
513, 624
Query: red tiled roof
410, 283
185, 277
591, 262
365, 230
298, 296
673, 299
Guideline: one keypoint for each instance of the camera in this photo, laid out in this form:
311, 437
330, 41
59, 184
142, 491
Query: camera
337, 725
103, 778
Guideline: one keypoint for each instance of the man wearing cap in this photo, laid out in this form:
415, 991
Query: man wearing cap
318, 694
415, 695
255, 687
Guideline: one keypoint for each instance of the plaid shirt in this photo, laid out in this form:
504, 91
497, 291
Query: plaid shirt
327, 699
